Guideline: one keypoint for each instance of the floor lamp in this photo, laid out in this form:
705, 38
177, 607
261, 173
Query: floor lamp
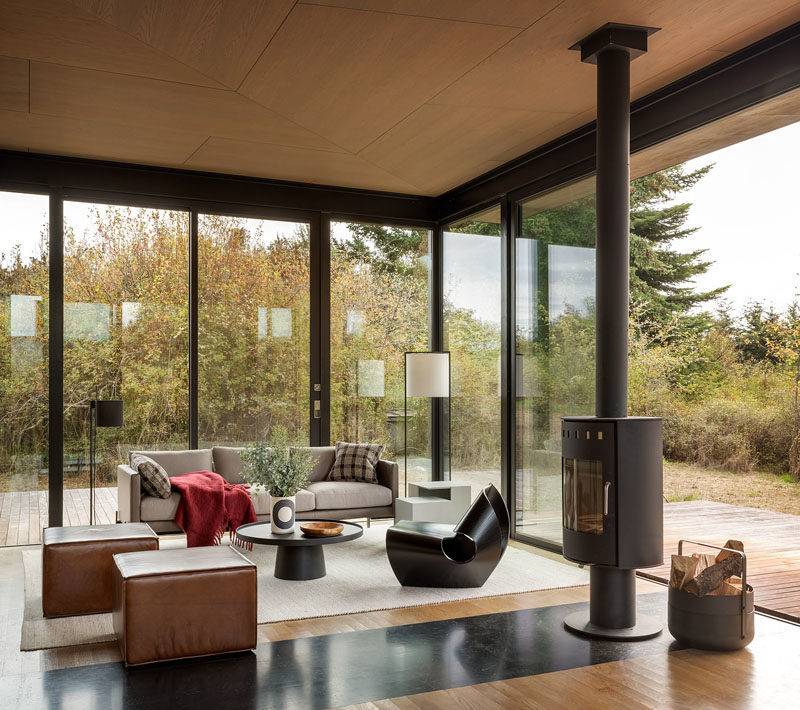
102, 412
426, 374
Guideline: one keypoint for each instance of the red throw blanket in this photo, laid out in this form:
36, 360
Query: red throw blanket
209, 506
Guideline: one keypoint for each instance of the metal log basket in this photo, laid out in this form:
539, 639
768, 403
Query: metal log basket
714, 623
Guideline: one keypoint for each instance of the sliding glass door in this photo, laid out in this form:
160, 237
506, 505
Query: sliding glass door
254, 329
379, 291
24, 399
125, 337
555, 336
472, 333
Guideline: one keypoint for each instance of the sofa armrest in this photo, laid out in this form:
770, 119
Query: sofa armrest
129, 495
388, 475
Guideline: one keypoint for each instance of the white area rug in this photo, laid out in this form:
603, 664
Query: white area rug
359, 579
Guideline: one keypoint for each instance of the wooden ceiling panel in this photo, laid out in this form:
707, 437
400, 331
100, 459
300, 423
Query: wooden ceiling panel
296, 164
509, 13
67, 136
56, 31
351, 75
783, 18
220, 38
402, 95
535, 72
127, 100
13, 84
439, 147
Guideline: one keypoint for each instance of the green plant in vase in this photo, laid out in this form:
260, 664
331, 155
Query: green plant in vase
282, 471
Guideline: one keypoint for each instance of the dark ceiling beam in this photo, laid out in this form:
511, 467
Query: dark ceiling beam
757, 73
169, 187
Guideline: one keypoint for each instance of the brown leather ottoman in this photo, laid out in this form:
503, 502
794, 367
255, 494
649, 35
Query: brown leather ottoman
183, 603
77, 562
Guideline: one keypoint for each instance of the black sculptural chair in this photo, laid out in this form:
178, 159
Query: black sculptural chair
437, 555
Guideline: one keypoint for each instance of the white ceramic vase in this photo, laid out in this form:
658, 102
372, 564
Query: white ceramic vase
281, 514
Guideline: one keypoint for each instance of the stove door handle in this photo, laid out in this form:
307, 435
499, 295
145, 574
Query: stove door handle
605, 497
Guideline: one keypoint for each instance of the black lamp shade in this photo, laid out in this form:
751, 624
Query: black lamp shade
108, 412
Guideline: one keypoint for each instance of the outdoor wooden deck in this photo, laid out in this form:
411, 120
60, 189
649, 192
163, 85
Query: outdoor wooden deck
771, 543
24, 514
771, 540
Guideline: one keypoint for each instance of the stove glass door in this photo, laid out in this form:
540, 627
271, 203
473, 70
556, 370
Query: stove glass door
584, 504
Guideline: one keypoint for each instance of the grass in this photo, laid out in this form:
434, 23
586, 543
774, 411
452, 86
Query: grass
756, 489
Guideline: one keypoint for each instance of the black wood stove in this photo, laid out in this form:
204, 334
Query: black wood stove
612, 515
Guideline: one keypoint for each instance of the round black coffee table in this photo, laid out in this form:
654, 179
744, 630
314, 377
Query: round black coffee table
300, 556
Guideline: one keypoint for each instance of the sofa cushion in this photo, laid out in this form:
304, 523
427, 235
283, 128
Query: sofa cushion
337, 495
323, 457
155, 480
228, 462
178, 462
356, 462
159, 508
303, 501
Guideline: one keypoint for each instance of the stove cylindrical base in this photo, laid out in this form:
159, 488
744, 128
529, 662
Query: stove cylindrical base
612, 597
612, 607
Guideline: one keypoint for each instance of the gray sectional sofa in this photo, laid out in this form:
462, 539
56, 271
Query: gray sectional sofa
322, 499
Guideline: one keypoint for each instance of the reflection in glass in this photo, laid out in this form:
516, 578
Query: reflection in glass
555, 335
355, 322
281, 322
371, 378
23, 315
472, 334
87, 321
130, 313
379, 279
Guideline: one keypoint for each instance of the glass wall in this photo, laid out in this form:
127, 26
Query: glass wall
24, 399
380, 281
125, 337
253, 346
471, 321
555, 337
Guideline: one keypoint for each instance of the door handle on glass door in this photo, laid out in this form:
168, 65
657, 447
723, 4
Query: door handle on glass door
605, 497
317, 413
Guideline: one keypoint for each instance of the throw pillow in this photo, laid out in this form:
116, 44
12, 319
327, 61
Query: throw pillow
155, 480
356, 462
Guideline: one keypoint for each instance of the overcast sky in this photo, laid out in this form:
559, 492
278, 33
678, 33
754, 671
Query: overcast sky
747, 211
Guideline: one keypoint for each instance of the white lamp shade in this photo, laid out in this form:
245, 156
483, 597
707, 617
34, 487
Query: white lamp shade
428, 374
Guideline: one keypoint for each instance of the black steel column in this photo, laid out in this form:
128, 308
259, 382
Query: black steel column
55, 368
193, 333
508, 355
613, 230
439, 427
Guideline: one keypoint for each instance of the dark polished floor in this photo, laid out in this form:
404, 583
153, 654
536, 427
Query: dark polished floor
346, 668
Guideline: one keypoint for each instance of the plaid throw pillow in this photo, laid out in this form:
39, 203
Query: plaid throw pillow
356, 462
155, 480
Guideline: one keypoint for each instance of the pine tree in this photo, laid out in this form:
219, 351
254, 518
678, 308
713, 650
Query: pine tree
662, 275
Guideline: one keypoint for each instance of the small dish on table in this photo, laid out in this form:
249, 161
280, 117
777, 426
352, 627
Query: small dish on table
321, 529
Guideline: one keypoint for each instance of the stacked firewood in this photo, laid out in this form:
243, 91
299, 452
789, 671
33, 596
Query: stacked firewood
709, 575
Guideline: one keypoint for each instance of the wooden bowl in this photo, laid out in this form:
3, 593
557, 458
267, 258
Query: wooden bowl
323, 529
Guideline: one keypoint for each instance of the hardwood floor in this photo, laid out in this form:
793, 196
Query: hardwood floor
764, 675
